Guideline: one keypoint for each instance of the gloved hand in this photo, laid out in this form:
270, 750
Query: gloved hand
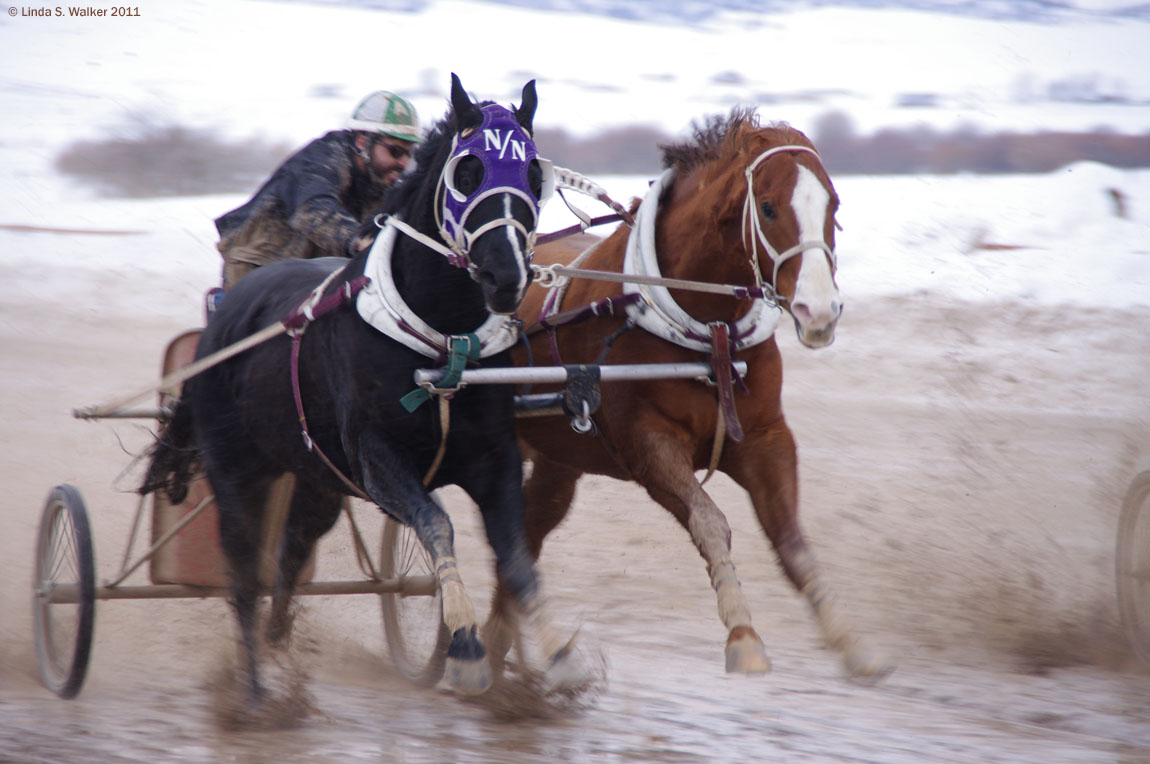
358, 244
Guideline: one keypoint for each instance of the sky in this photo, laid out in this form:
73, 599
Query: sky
289, 72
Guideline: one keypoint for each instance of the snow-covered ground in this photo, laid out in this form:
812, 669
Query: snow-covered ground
900, 235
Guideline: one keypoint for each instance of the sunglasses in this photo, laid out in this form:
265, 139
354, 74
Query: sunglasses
397, 152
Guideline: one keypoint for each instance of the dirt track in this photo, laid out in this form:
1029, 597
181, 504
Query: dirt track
961, 468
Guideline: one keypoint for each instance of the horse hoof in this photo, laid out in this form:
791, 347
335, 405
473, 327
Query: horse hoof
567, 672
746, 654
498, 638
256, 699
866, 665
467, 670
468, 677
277, 634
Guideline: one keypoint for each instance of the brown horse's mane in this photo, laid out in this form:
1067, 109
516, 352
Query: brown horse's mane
722, 137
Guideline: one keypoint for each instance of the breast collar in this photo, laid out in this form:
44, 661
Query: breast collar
657, 311
381, 305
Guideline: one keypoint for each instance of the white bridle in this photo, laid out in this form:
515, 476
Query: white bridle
753, 235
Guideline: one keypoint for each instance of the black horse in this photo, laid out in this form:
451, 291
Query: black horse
472, 201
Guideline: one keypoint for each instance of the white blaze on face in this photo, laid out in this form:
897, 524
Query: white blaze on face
816, 304
520, 255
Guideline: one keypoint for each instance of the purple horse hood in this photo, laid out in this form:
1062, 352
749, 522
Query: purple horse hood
506, 151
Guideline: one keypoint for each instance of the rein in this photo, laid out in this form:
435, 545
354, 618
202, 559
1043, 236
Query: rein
579, 227
309, 310
565, 178
547, 275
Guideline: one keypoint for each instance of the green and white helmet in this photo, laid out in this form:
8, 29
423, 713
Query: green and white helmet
386, 113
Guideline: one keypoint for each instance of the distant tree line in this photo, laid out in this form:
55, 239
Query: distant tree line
890, 151
147, 159
630, 150
966, 149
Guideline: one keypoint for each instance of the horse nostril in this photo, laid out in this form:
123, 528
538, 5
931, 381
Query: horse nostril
825, 315
486, 279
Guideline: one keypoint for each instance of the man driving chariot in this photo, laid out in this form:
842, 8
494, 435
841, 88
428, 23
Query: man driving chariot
314, 204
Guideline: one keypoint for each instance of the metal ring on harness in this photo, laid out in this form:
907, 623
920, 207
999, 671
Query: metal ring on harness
581, 395
582, 423
545, 275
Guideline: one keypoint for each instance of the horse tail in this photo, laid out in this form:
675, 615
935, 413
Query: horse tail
174, 457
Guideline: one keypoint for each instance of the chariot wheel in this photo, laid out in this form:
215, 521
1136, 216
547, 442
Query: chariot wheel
1133, 565
417, 638
64, 592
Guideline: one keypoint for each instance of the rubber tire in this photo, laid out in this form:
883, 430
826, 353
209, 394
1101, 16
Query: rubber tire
64, 556
1133, 565
401, 554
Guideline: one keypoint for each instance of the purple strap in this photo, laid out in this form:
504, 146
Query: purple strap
605, 307
562, 233
299, 317
296, 322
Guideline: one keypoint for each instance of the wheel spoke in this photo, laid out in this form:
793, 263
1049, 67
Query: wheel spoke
64, 553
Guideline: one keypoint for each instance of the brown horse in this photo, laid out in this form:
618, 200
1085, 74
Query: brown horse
739, 204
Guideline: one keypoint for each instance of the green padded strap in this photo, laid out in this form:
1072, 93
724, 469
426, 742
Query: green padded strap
461, 349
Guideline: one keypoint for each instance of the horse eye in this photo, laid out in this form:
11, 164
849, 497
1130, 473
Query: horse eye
768, 211
468, 175
535, 178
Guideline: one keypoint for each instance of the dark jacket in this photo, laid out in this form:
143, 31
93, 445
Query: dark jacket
311, 206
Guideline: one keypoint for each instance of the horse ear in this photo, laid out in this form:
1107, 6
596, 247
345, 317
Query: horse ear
525, 114
467, 114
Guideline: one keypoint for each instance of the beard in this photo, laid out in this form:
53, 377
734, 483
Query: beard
385, 178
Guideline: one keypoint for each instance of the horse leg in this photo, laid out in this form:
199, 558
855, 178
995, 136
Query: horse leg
499, 496
312, 513
766, 466
667, 475
467, 669
240, 506
402, 496
547, 497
